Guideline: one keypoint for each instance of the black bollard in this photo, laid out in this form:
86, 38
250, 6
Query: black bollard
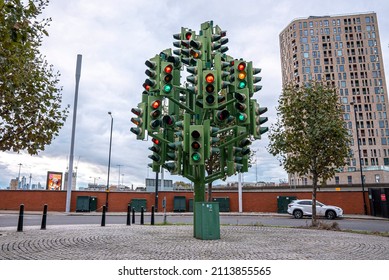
152, 215
103, 216
129, 215
142, 216
44, 217
21, 216
133, 215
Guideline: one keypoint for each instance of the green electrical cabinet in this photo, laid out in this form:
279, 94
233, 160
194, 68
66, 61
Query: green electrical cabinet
82, 204
86, 203
224, 203
93, 203
179, 204
207, 220
282, 203
138, 203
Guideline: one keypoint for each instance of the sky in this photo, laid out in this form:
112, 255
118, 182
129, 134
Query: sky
116, 37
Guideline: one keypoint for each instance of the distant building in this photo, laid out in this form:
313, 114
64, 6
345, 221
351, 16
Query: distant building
74, 181
150, 185
13, 184
346, 51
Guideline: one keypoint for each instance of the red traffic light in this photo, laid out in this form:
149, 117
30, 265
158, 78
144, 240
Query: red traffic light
155, 141
168, 69
241, 66
209, 78
155, 104
188, 35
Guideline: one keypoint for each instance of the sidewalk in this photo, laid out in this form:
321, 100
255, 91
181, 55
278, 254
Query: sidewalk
176, 242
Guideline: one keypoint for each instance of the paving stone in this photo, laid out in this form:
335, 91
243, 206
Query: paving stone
119, 242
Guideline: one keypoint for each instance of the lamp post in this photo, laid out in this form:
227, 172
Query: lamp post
360, 158
109, 162
20, 166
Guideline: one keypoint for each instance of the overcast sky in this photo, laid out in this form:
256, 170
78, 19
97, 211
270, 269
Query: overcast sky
116, 37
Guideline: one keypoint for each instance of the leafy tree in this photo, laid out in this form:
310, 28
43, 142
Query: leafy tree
310, 136
30, 99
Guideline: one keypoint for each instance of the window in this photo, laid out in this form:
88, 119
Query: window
337, 180
350, 179
367, 19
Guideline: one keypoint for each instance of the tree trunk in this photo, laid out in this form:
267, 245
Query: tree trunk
314, 182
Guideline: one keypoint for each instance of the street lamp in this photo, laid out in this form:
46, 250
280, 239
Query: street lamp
20, 166
360, 158
109, 162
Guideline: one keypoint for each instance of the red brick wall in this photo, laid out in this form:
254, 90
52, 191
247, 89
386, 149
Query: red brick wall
262, 201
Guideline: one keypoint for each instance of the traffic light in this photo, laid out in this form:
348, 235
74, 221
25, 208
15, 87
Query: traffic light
210, 91
195, 79
219, 40
210, 139
157, 156
252, 79
184, 45
241, 93
222, 66
139, 121
222, 116
196, 145
257, 120
173, 158
196, 49
242, 108
151, 84
166, 78
155, 109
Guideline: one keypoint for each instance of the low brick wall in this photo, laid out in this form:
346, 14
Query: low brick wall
253, 201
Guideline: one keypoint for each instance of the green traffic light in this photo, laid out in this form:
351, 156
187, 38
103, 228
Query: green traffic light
167, 88
242, 117
242, 84
196, 157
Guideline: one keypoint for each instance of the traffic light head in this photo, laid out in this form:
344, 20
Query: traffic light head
252, 79
155, 109
157, 156
139, 121
151, 84
184, 50
166, 78
196, 145
256, 129
210, 93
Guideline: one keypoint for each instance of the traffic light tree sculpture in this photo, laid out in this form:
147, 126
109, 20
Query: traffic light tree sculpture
212, 113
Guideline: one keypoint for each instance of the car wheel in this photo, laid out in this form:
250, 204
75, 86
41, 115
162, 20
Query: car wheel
298, 214
331, 215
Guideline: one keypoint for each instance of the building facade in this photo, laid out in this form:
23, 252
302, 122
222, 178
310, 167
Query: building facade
346, 51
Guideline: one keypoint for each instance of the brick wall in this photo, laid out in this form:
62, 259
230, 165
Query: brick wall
253, 201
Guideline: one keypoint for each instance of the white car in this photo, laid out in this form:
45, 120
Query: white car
303, 207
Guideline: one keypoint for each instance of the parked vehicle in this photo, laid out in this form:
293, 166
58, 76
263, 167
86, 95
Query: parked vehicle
303, 207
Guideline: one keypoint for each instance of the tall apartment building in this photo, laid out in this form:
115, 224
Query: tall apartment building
346, 51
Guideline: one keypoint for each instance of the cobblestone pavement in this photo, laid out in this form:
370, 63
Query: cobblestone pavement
120, 242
